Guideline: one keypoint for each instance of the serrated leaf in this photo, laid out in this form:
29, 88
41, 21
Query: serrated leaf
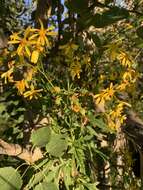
41, 136
57, 145
10, 179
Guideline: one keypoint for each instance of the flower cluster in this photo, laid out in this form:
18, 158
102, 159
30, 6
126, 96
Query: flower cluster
117, 117
107, 98
27, 49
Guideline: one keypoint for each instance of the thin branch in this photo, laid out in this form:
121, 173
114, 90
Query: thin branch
59, 19
20, 152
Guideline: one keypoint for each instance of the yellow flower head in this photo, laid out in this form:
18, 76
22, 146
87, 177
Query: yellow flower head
129, 76
8, 75
116, 117
23, 42
75, 69
124, 59
106, 94
75, 108
32, 93
41, 35
21, 86
56, 89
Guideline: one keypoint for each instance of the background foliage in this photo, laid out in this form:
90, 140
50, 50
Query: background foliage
71, 85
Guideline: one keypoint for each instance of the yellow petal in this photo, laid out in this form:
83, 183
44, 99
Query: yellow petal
33, 36
41, 24
19, 49
14, 42
35, 56
27, 51
51, 33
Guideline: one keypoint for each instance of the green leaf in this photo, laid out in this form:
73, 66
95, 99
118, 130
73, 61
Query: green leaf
20, 119
57, 145
36, 179
77, 6
96, 39
102, 154
2, 108
92, 131
68, 180
108, 2
109, 17
102, 20
140, 32
91, 186
46, 186
10, 179
41, 136
85, 20
97, 122
42, 174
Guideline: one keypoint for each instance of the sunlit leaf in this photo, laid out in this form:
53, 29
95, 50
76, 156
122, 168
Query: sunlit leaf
10, 179
46, 186
41, 136
57, 145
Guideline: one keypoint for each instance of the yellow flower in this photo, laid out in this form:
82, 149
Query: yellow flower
116, 117
102, 78
8, 75
113, 49
58, 100
106, 94
32, 93
69, 48
74, 98
87, 60
56, 89
41, 34
99, 99
75, 69
111, 123
76, 108
15, 38
24, 43
21, 85
129, 76
124, 59
109, 92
